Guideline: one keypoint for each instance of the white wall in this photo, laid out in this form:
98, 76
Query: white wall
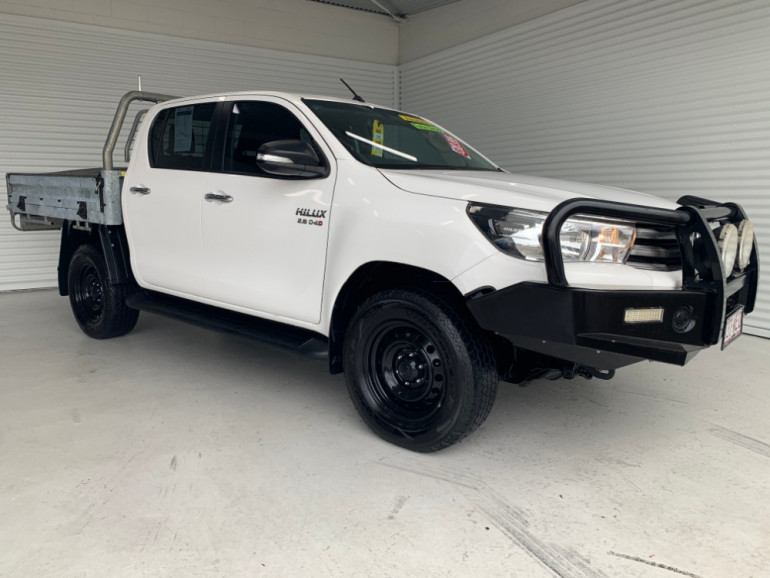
435, 30
665, 96
60, 83
290, 25
669, 97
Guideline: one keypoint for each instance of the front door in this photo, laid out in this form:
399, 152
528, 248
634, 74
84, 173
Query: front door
264, 238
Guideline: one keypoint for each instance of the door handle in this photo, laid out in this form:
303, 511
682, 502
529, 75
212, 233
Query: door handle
140, 190
222, 198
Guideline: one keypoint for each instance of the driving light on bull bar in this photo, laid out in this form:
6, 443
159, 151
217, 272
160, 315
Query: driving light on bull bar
745, 243
519, 232
728, 247
647, 315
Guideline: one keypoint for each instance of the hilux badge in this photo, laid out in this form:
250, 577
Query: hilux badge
315, 213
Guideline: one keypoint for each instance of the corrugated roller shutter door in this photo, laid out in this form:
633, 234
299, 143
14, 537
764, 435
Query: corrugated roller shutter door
667, 97
61, 83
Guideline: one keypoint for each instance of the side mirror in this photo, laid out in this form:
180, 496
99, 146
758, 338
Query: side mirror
290, 158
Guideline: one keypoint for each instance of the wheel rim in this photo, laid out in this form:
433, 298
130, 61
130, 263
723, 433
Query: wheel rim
405, 378
89, 294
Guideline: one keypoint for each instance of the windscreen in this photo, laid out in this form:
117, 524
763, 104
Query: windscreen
389, 139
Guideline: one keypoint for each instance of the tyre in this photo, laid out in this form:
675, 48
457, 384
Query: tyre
99, 305
418, 375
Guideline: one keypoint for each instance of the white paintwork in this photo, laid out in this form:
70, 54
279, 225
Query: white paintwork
534, 193
164, 226
501, 270
375, 221
254, 257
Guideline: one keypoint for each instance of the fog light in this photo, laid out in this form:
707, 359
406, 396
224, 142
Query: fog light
650, 315
745, 243
728, 247
683, 321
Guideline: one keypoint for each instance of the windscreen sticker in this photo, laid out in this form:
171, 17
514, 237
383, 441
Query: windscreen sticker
426, 127
378, 137
417, 119
456, 146
183, 129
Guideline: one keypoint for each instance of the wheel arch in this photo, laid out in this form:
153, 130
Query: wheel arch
377, 276
110, 239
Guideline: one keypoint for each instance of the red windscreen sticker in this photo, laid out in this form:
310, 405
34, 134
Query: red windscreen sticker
456, 146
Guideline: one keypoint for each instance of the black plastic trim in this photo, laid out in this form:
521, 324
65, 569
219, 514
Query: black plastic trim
115, 248
285, 336
65, 254
587, 326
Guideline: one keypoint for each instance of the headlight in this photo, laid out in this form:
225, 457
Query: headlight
518, 232
728, 247
745, 243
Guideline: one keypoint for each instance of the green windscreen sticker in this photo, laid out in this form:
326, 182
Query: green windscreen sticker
426, 127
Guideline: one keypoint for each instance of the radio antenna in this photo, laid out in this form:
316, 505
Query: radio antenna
355, 96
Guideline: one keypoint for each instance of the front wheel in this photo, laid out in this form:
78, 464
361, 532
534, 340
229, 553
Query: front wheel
417, 374
99, 305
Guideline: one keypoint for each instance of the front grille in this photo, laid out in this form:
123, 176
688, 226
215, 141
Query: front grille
655, 249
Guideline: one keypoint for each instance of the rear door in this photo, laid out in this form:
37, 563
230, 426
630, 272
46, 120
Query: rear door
264, 245
162, 197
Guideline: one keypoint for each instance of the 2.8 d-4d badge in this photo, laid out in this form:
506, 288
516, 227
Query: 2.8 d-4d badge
316, 216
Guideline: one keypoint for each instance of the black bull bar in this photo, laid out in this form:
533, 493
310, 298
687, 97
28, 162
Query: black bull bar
586, 325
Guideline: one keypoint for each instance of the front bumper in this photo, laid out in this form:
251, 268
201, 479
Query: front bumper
588, 327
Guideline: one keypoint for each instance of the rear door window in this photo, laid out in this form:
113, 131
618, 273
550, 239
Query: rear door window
180, 137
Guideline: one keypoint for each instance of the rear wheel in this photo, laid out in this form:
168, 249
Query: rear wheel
99, 306
417, 374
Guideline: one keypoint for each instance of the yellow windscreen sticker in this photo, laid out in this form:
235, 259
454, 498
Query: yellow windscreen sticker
378, 137
417, 119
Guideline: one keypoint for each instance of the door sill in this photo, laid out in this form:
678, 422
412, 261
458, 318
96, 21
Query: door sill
302, 341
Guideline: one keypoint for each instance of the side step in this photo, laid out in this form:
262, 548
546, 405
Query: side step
281, 335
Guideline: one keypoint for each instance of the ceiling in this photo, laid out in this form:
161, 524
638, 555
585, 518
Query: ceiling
396, 9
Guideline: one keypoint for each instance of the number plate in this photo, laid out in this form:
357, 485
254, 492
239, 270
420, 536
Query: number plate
733, 327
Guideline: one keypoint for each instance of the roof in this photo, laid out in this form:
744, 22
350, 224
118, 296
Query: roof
290, 96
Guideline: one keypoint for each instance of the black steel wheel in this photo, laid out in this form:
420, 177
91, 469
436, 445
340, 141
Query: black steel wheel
99, 305
417, 374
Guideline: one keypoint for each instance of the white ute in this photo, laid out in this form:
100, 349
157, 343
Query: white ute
380, 241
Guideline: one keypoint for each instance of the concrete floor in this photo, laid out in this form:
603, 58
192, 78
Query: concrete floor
179, 452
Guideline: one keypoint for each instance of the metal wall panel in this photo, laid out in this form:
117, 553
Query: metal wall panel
664, 96
60, 84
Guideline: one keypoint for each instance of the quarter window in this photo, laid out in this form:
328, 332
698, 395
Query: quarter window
179, 137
